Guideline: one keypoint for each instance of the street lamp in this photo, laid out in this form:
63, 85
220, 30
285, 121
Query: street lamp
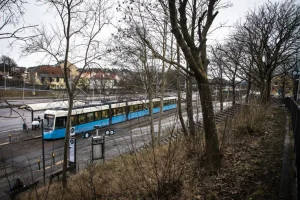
93, 85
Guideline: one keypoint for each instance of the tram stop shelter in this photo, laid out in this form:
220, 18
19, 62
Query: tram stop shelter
48, 106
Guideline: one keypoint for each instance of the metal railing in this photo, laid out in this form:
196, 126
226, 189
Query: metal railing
294, 110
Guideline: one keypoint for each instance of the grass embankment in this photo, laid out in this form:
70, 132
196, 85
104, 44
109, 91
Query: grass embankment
19, 94
251, 145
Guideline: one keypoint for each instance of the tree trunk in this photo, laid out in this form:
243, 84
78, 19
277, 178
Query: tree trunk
233, 94
151, 120
150, 93
66, 143
163, 84
283, 87
179, 96
265, 92
221, 96
189, 105
211, 136
248, 90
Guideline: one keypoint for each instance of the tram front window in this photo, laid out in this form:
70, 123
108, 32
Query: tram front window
48, 121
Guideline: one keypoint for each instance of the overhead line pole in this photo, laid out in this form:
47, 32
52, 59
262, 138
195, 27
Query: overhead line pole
4, 77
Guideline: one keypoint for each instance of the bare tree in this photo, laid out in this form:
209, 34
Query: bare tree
217, 69
8, 63
132, 46
74, 40
12, 11
132, 52
270, 36
195, 53
191, 36
233, 62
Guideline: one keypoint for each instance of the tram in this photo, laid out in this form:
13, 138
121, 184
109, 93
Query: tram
84, 118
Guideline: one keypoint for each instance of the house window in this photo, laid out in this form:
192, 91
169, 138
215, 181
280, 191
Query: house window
57, 79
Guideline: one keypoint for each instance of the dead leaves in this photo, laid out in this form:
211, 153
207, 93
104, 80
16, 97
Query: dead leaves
251, 167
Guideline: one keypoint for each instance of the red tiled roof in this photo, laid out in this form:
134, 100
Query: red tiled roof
50, 70
101, 75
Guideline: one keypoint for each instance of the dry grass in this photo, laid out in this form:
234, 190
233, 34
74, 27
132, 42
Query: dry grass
173, 171
19, 93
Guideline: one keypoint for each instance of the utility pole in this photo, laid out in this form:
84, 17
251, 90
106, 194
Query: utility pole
4, 77
24, 77
93, 87
43, 151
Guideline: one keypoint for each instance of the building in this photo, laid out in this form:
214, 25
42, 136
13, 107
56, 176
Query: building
51, 76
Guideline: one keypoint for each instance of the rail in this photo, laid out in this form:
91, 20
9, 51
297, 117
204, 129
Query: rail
294, 110
13, 194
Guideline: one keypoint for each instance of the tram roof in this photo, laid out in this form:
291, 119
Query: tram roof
51, 105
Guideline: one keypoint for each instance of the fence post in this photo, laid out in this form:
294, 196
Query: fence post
53, 158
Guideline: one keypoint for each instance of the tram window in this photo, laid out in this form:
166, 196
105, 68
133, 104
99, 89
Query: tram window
114, 112
73, 120
60, 122
81, 119
90, 117
104, 114
156, 104
121, 111
140, 106
135, 107
48, 121
131, 109
97, 115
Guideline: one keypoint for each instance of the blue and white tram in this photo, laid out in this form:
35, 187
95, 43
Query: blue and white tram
85, 118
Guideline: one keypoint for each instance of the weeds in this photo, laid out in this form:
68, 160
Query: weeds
251, 120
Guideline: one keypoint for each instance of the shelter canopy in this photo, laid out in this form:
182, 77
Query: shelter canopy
45, 106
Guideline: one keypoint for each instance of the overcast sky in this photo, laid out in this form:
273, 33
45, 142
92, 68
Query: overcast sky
38, 14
